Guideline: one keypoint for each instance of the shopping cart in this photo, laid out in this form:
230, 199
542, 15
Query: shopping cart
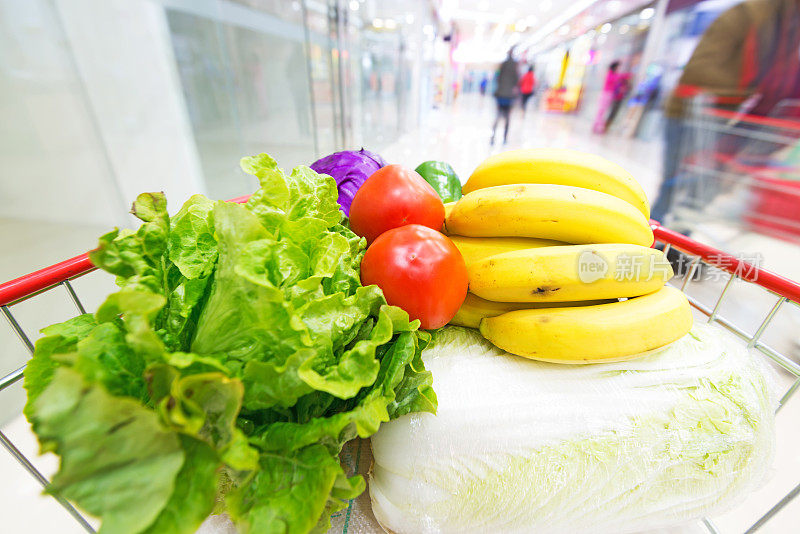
738, 171
59, 277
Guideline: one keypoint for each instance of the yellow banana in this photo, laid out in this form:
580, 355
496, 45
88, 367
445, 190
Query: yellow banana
562, 167
448, 207
569, 272
558, 212
588, 334
475, 248
475, 308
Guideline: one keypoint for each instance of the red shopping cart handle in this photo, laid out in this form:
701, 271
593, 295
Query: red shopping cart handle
787, 124
30, 284
745, 270
35, 282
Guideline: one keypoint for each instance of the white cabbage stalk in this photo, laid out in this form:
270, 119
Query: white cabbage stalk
525, 446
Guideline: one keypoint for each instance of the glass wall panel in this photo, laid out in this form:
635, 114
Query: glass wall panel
244, 74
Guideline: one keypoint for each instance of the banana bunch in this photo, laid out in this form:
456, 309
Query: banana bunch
557, 247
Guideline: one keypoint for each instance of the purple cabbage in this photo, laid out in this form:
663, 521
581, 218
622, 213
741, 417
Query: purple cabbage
350, 169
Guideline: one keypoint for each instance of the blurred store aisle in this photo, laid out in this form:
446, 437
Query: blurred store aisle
459, 134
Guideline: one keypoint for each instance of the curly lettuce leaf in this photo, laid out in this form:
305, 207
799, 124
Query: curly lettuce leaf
105, 357
270, 384
204, 406
136, 257
139, 311
60, 338
291, 492
193, 498
296, 204
114, 452
171, 257
191, 244
401, 370
246, 320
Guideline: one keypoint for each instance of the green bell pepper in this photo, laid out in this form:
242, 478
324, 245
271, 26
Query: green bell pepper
442, 178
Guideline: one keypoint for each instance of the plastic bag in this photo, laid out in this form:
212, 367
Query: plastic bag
525, 446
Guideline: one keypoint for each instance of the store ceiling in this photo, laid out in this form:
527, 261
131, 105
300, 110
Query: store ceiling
486, 29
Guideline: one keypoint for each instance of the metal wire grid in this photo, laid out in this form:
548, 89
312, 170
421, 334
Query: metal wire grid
17, 374
712, 312
753, 342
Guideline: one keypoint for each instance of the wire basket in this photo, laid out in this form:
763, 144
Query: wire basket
786, 292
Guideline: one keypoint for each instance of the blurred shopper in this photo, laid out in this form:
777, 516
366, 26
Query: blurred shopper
622, 84
484, 84
526, 87
642, 100
507, 80
747, 60
610, 88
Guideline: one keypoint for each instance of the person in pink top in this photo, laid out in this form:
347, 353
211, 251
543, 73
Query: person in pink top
612, 89
622, 84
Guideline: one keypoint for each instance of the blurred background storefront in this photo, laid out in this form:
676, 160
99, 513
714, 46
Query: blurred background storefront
194, 85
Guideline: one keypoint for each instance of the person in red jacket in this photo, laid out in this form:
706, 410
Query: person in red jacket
526, 87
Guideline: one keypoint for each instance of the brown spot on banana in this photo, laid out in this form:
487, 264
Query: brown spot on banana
544, 289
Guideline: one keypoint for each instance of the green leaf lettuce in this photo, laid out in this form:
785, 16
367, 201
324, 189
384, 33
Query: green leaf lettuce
238, 356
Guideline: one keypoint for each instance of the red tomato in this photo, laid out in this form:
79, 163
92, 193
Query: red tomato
419, 270
394, 196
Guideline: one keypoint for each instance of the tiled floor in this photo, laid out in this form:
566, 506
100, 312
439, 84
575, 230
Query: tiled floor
459, 135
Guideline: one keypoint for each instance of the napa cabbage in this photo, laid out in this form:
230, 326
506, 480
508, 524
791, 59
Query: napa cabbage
525, 446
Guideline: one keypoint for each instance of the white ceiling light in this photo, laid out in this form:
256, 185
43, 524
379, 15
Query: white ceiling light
564, 16
410, 19
647, 13
602, 39
613, 6
354, 5
391, 24
624, 29
605, 28
378, 23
